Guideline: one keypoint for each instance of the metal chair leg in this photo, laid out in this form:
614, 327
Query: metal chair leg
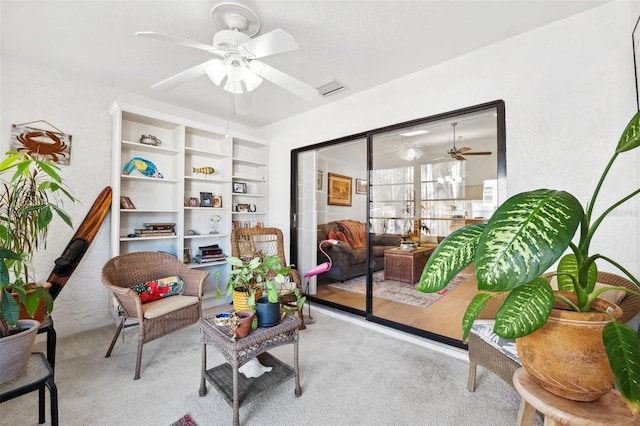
115, 337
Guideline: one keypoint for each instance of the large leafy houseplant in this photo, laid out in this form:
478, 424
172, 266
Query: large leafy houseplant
525, 236
31, 192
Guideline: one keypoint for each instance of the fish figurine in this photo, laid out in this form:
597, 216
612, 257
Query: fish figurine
146, 167
204, 170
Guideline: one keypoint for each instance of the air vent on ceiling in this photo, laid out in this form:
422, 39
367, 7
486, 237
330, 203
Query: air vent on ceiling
331, 88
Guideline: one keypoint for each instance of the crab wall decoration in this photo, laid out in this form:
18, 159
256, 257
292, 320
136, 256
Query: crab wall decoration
42, 144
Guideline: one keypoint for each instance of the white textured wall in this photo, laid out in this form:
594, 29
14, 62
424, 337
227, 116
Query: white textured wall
81, 108
569, 92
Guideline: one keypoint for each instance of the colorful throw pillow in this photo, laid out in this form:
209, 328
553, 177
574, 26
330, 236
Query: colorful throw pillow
158, 289
337, 235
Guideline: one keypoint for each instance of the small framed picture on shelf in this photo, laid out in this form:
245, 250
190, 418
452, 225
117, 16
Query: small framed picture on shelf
126, 203
361, 186
193, 202
186, 257
206, 199
239, 187
242, 208
217, 201
236, 224
256, 224
246, 224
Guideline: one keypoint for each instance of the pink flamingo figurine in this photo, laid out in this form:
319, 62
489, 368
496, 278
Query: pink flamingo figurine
319, 269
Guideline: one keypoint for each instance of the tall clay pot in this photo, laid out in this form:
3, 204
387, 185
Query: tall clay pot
566, 356
15, 350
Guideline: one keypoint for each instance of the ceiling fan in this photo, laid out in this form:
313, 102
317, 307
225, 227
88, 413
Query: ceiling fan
236, 67
458, 154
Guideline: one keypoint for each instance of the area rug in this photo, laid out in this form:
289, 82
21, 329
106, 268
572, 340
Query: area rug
398, 291
185, 420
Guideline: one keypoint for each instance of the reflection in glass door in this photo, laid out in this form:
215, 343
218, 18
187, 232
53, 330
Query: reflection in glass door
390, 196
330, 206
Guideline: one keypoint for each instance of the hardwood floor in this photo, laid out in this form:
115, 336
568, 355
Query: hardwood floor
443, 317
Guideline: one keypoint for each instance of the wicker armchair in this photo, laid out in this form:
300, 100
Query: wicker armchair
249, 242
482, 353
160, 317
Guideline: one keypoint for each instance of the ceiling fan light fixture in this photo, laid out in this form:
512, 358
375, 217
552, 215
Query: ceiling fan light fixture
251, 80
410, 153
216, 71
233, 86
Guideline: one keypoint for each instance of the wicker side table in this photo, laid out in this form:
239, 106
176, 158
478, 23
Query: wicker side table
225, 378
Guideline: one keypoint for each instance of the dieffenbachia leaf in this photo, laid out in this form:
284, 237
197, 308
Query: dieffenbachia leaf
452, 255
525, 310
524, 237
630, 138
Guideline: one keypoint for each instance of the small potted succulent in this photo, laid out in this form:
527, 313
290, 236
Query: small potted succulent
511, 253
31, 193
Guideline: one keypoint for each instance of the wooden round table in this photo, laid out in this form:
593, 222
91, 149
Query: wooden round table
609, 409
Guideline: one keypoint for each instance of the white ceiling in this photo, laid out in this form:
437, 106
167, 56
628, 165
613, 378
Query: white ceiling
361, 43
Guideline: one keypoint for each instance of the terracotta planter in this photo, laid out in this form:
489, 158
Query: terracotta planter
566, 356
42, 307
240, 299
15, 350
244, 326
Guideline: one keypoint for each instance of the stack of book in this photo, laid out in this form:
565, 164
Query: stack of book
156, 230
210, 254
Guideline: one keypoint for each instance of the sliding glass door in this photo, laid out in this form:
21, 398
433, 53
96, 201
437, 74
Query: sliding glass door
383, 200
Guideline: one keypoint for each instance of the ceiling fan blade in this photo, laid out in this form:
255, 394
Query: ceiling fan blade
479, 153
177, 40
182, 77
460, 158
285, 81
271, 43
463, 149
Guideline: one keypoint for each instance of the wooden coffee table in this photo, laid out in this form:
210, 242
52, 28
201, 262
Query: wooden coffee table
405, 265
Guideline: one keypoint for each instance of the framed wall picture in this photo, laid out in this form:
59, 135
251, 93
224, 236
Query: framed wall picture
339, 190
206, 199
239, 187
126, 203
319, 180
217, 201
361, 186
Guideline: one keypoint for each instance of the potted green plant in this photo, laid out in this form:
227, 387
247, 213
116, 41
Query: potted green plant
31, 192
249, 280
526, 235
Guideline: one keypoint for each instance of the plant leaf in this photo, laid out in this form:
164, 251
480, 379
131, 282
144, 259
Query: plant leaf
525, 309
622, 345
9, 307
474, 308
452, 255
524, 237
630, 138
569, 265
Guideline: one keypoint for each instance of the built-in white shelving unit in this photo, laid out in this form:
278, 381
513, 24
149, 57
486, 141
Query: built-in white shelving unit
185, 157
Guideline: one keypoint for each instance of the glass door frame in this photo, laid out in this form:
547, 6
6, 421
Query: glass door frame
368, 314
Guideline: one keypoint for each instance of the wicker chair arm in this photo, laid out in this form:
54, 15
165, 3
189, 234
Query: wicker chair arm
193, 281
129, 299
295, 277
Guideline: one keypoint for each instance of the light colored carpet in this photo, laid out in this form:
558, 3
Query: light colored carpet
352, 373
398, 291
